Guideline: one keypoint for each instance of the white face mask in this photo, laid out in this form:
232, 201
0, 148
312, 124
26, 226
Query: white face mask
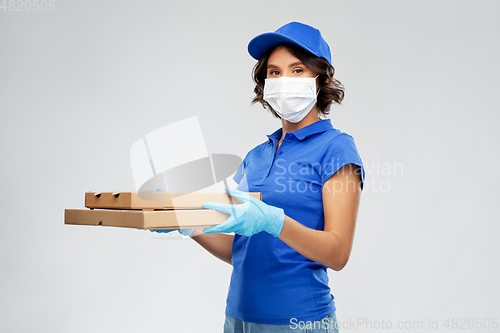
291, 97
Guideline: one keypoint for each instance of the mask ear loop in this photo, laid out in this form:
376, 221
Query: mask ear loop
317, 93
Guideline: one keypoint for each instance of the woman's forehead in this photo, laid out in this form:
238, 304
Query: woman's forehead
282, 55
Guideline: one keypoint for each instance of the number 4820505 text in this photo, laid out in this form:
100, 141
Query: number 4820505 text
28, 5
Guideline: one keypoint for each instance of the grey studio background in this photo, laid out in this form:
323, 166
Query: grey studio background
80, 83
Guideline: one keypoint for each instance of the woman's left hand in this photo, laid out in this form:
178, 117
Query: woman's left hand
248, 218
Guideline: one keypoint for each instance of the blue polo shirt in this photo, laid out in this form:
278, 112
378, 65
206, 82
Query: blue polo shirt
271, 283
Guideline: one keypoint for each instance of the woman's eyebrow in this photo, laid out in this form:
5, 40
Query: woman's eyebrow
297, 63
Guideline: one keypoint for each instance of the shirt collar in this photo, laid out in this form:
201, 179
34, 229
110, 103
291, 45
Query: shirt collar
276, 135
317, 127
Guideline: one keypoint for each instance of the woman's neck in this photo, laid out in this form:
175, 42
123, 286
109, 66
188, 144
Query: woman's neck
311, 118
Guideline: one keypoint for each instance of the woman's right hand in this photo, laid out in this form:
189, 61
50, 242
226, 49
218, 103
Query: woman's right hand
184, 232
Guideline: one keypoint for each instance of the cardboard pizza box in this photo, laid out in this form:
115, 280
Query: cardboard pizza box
157, 200
144, 219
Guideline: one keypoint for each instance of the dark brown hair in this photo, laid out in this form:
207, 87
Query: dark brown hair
331, 90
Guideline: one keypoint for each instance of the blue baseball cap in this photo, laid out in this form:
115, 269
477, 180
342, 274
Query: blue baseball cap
294, 33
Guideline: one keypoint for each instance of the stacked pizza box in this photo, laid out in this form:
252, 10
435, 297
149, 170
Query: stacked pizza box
150, 210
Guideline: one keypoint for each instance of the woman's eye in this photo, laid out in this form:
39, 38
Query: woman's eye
298, 71
274, 73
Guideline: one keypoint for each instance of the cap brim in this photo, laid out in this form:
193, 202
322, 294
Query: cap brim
259, 45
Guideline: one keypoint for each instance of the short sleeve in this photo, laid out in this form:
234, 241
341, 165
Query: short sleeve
339, 151
240, 173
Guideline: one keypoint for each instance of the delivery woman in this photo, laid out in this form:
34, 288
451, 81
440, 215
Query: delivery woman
310, 176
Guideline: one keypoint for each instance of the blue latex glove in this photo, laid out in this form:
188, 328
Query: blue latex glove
185, 232
248, 218
162, 231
